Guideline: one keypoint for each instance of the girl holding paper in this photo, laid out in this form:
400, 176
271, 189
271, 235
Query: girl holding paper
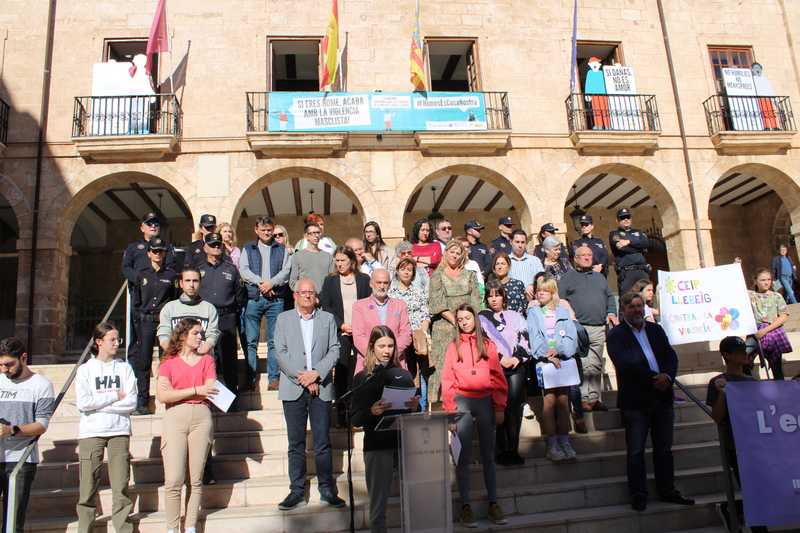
380, 447
553, 339
185, 382
473, 383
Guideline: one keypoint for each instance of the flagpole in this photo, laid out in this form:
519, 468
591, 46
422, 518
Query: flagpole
171, 69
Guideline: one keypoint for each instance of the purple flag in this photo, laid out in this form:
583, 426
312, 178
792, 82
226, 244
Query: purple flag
766, 426
574, 59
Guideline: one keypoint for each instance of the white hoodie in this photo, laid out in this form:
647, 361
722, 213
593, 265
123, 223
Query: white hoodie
97, 384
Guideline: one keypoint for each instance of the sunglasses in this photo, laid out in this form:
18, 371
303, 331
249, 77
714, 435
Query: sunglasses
154, 223
446, 228
584, 224
214, 244
624, 217
158, 251
279, 235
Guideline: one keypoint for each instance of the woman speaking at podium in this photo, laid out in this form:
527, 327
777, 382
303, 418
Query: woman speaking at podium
381, 366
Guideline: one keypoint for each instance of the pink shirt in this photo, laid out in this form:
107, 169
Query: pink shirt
184, 376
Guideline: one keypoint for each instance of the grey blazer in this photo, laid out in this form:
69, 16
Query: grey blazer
291, 353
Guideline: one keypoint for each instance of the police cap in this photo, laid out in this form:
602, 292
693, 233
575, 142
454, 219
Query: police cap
150, 217
156, 244
208, 221
586, 219
505, 221
213, 238
623, 213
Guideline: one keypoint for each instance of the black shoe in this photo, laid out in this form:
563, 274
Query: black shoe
292, 501
333, 500
675, 497
515, 459
141, 411
503, 459
639, 503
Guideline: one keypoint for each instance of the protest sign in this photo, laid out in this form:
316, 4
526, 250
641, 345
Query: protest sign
743, 110
623, 108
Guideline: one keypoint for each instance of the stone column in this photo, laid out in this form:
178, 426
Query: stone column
681, 240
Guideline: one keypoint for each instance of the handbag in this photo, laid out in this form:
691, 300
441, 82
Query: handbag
777, 285
419, 338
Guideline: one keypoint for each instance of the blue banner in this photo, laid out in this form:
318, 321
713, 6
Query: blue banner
432, 111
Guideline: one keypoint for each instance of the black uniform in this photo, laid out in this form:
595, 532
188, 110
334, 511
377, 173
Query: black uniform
480, 253
500, 244
152, 291
631, 266
599, 251
223, 288
135, 259
196, 254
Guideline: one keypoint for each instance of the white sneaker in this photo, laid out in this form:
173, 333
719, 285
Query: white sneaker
569, 451
527, 412
555, 454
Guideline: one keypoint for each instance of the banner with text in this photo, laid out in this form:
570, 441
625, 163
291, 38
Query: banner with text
705, 304
766, 430
440, 111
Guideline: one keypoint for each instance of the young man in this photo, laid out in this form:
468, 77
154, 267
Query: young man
311, 262
478, 251
325, 243
524, 266
734, 353
628, 246
189, 305
27, 402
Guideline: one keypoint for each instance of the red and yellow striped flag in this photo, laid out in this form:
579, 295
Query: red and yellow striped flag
418, 78
330, 51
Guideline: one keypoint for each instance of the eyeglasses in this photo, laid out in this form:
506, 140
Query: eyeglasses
306, 293
446, 228
279, 235
214, 244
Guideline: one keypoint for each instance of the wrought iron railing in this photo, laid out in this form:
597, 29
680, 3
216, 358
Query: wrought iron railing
749, 113
498, 115
4, 112
613, 112
157, 114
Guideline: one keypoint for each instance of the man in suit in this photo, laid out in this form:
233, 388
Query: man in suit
307, 349
380, 310
646, 366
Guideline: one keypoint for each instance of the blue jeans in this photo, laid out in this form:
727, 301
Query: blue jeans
255, 310
788, 289
297, 413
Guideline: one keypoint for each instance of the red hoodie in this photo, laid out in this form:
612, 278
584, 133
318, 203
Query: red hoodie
473, 377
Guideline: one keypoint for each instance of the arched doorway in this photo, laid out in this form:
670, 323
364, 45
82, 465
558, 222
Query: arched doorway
288, 195
106, 217
9, 263
601, 192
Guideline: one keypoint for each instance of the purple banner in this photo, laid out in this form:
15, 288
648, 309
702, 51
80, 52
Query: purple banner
766, 426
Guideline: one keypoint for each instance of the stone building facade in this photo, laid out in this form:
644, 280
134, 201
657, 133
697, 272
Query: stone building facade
532, 170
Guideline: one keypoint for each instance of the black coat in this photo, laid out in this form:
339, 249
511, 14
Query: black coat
330, 297
634, 377
365, 394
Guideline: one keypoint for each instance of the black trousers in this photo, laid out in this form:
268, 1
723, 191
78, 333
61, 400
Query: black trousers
658, 422
345, 367
24, 482
627, 278
508, 431
142, 357
225, 356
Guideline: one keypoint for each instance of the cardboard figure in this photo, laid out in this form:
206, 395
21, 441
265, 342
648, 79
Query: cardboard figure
764, 88
140, 85
595, 91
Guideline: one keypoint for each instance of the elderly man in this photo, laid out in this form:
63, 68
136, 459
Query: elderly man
588, 293
307, 348
646, 367
380, 310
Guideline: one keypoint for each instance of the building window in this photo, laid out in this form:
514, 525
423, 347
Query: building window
609, 53
728, 57
453, 64
294, 64
126, 49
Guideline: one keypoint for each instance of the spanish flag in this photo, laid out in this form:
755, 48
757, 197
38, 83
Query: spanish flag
330, 51
418, 78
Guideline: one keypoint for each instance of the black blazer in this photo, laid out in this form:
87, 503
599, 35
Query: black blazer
330, 297
634, 377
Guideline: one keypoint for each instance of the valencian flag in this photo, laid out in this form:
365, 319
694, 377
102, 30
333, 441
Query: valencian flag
330, 50
418, 78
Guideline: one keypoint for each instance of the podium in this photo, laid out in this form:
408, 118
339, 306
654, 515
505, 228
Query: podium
426, 504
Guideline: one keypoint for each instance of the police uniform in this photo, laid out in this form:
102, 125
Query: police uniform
135, 259
631, 266
223, 288
598, 247
153, 289
195, 253
501, 243
479, 252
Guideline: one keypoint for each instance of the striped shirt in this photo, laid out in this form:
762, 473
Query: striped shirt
525, 268
24, 402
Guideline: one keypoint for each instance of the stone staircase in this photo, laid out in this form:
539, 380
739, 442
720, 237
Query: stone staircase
250, 465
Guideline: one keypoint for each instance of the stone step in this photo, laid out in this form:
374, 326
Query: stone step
316, 518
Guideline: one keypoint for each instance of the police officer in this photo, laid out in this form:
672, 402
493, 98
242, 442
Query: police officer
628, 246
598, 247
223, 288
547, 230
503, 242
155, 286
478, 251
195, 253
136, 258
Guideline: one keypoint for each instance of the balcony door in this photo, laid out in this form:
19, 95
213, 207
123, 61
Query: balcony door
453, 64
728, 57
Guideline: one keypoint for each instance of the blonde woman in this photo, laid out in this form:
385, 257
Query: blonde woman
281, 236
229, 241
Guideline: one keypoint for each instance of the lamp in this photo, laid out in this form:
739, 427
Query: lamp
576, 213
434, 215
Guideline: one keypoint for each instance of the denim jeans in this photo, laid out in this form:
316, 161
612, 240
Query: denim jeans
255, 310
788, 289
296, 414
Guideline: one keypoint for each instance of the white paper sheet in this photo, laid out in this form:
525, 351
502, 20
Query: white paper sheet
565, 376
455, 447
224, 398
397, 397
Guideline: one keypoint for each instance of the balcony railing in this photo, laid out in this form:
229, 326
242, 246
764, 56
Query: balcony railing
4, 111
498, 116
95, 116
613, 112
748, 113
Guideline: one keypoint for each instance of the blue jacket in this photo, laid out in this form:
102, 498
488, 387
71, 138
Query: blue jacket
777, 268
567, 337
